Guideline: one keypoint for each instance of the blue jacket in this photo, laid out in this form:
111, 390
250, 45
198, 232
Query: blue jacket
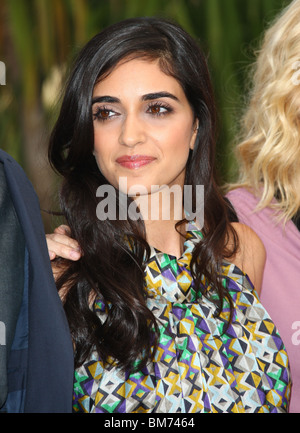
36, 354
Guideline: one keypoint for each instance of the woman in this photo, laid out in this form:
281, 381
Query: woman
161, 315
267, 194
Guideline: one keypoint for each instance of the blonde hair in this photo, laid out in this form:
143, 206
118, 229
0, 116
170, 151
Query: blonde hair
269, 153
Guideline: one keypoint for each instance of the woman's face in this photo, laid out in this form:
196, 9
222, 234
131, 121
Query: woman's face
143, 127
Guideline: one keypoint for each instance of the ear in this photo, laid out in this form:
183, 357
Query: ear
194, 136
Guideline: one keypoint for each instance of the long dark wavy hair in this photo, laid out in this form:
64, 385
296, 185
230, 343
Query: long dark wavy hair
110, 268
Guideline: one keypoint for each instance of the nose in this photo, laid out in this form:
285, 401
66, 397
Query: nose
132, 132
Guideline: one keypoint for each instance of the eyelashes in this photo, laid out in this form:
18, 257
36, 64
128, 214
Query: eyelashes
157, 109
103, 113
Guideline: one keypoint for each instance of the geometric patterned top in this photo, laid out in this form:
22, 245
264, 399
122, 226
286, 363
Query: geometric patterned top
199, 366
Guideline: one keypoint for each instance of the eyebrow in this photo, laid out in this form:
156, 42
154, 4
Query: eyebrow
109, 99
147, 97
157, 95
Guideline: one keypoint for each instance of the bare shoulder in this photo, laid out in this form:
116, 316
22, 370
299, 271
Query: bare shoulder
251, 254
248, 237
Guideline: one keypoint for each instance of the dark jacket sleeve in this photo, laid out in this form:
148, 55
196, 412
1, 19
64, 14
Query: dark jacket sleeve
12, 256
50, 369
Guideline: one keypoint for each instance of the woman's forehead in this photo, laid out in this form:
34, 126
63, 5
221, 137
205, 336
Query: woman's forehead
163, 60
139, 74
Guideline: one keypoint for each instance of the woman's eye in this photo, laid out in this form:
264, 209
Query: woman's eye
103, 114
158, 109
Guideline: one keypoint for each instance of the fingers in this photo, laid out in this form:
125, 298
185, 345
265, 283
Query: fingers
61, 245
63, 230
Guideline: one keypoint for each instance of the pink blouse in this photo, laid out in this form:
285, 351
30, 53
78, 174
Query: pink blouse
280, 293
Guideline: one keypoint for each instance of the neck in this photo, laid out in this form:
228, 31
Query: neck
163, 236
161, 211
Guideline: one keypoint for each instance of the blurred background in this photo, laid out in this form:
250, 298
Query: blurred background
39, 39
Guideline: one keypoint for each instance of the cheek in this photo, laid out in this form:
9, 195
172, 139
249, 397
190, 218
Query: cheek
177, 141
100, 150
103, 154
97, 140
100, 154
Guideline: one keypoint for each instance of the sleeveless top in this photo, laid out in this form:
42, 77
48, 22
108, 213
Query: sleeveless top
201, 365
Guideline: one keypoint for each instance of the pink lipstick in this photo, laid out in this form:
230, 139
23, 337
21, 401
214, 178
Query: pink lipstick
135, 161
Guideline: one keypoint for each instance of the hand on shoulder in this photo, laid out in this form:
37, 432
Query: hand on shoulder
60, 244
251, 254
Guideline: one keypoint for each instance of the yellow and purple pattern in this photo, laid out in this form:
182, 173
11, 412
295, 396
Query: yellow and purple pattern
199, 366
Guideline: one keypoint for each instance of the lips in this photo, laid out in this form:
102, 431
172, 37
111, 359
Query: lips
135, 161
